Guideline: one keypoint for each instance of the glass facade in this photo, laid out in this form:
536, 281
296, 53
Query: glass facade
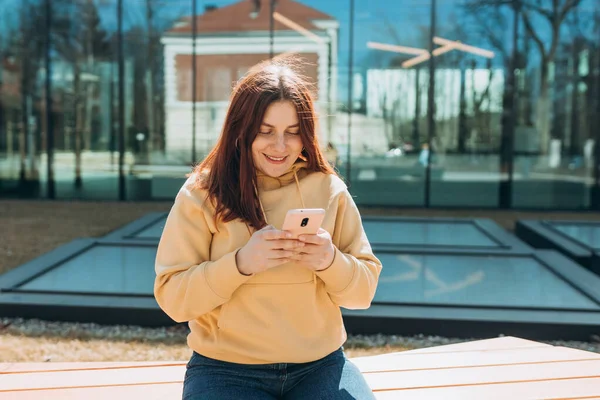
453, 103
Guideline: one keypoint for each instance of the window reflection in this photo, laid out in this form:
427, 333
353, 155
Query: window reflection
514, 105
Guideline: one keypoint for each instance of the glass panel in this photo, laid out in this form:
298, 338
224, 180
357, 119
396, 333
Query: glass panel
557, 123
158, 95
585, 233
472, 63
429, 234
84, 86
102, 269
154, 231
389, 102
317, 32
475, 280
22, 113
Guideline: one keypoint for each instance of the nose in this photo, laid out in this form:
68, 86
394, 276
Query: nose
279, 144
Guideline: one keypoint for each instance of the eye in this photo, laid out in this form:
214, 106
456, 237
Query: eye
294, 133
264, 133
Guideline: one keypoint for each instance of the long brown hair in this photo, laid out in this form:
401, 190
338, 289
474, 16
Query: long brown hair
228, 172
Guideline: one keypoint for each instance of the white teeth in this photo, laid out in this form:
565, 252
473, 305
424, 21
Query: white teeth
275, 158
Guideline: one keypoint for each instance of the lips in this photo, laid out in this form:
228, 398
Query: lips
275, 160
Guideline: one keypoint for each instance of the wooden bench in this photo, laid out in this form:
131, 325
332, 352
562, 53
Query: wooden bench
500, 368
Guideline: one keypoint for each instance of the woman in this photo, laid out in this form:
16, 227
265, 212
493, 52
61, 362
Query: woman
264, 309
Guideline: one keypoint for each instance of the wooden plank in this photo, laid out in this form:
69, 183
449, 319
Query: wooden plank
482, 375
557, 389
496, 368
104, 377
146, 392
581, 398
500, 343
22, 367
415, 361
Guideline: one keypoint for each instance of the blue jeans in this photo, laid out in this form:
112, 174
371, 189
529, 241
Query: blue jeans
333, 377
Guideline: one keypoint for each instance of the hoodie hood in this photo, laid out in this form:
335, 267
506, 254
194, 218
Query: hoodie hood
266, 182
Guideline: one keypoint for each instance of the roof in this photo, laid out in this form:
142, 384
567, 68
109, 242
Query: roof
237, 18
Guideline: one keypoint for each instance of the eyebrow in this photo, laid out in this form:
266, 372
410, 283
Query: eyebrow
291, 126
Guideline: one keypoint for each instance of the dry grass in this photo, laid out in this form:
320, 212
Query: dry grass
18, 348
14, 348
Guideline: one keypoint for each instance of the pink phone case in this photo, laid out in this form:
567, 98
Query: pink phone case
303, 221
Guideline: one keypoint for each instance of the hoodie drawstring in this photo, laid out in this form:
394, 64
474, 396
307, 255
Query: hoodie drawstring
301, 201
262, 209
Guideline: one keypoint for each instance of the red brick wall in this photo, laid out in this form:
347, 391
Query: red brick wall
216, 74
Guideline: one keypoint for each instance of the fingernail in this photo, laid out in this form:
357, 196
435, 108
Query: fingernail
302, 238
288, 235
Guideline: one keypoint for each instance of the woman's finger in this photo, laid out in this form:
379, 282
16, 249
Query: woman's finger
279, 254
274, 234
312, 239
310, 248
286, 244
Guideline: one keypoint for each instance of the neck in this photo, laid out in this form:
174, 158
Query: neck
267, 182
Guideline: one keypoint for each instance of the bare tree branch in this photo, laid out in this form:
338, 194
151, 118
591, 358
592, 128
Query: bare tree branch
490, 34
486, 92
534, 35
473, 5
569, 4
540, 10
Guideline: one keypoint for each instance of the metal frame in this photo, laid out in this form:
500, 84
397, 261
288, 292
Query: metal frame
128, 232
486, 321
542, 234
381, 317
505, 240
107, 308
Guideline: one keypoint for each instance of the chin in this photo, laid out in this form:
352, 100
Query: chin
276, 172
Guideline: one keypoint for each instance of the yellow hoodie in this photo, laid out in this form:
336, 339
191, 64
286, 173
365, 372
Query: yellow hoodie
288, 314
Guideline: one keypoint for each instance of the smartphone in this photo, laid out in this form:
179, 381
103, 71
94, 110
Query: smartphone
303, 221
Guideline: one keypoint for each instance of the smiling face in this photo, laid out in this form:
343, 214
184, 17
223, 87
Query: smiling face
278, 143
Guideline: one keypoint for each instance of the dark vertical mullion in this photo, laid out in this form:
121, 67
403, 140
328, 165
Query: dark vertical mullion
509, 121
330, 100
121, 133
271, 29
51, 193
111, 115
510, 150
194, 72
430, 104
350, 87
596, 164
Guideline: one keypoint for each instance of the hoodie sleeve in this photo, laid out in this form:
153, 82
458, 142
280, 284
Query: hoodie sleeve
351, 280
188, 284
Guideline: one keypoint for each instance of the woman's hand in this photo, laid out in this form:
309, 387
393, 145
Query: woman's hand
267, 248
318, 252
